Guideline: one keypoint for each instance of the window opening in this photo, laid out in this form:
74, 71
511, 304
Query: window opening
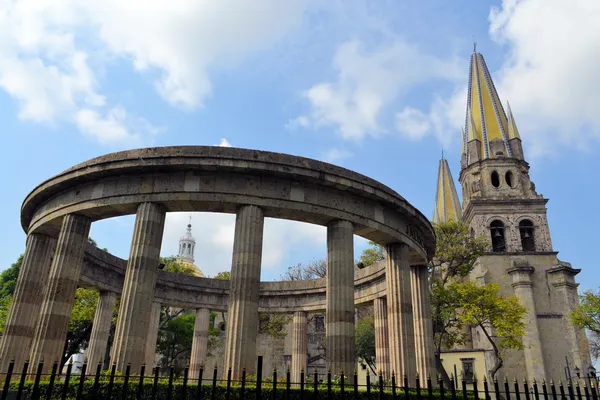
498, 240
495, 179
527, 239
509, 178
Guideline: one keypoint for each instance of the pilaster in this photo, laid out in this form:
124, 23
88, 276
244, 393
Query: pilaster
138, 289
242, 312
26, 304
49, 339
523, 287
339, 314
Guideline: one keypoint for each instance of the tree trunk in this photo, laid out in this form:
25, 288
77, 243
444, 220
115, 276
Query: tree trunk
441, 370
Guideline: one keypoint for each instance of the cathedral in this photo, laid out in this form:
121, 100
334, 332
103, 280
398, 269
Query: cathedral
500, 202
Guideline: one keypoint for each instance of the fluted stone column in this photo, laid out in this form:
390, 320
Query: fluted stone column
199, 341
422, 320
150, 351
339, 314
382, 345
299, 345
51, 333
138, 289
242, 312
26, 304
534, 357
100, 330
400, 314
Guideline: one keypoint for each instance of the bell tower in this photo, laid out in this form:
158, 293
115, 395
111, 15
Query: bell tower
500, 202
187, 245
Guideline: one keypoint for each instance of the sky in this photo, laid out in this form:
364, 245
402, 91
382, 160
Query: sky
376, 87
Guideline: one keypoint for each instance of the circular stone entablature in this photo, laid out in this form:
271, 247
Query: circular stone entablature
220, 179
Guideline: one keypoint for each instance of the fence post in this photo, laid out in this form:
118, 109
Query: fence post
329, 384
561, 388
570, 391
259, 365
316, 383
544, 389
52, 379
418, 386
67, 381
464, 388
23, 378
111, 381
368, 385
170, 385
452, 387
393, 386
81, 380
441, 387
593, 389
496, 388
96, 380
155, 383
342, 383
11, 366
186, 372
35, 395
302, 384
213, 394
405, 387
536, 391
140, 388
475, 389
228, 392
243, 383
553, 389
486, 391
355, 384
429, 387
199, 387
274, 394
287, 383
585, 390
126, 381
526, 389
577, 390
380, 387
506, 388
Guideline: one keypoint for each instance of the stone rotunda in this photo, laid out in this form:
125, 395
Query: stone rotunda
251, 184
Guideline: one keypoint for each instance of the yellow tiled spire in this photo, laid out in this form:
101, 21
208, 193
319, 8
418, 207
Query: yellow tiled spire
513, 132
447, 207
485, 119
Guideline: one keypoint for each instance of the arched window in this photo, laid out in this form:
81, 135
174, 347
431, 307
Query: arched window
527, 239
509, 178
495, 179
498, 240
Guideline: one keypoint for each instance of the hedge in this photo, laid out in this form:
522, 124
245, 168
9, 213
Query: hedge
206, 392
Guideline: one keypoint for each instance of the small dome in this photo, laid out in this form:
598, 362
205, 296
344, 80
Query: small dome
190, 265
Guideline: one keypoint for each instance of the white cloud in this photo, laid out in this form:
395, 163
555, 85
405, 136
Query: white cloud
550, 76
224, 143
412, 123
299, 122
214, 234
367, 82
335, 155
50, 51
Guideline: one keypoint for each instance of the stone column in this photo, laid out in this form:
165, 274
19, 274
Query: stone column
26, 304
49, 339
382, 344
199, 342
299, 345
138, 289
242, 312
523, 287
150, 349
339, 315
400, 314
422, 320
100, 330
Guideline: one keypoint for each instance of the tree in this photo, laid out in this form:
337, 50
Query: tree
372, 254
80, 324
313, 270
172, 264
365, 341
175, 340
456, 253
223, 275
587, 316
499, 318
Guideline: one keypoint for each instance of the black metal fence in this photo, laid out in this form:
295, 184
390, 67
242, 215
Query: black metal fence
177, 384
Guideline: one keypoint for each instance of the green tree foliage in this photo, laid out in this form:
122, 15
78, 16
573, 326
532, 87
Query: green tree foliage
175, 339
80, 324
372, 254
499, 318
587, 316
8, 278
223, 275
172, 264
365, 341
456, 253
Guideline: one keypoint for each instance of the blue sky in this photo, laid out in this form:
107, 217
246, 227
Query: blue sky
377, 87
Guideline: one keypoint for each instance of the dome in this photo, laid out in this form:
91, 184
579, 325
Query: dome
190, 265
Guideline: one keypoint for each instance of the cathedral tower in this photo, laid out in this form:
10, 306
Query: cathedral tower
187, 245
500, 202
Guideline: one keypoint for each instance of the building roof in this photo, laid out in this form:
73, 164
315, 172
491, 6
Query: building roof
485, 118
447, 207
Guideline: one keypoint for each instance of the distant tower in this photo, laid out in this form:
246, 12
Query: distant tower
447, 207
187, 245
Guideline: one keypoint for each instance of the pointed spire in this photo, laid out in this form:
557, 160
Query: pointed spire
447, 207
513, 132
485, 119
